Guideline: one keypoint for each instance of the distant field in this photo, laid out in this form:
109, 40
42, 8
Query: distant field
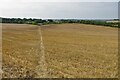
71, 50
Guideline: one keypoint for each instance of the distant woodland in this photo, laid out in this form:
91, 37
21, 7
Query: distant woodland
112, 23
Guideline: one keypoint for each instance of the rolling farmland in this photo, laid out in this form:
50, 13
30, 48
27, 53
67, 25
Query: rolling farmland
60, 50
21, 50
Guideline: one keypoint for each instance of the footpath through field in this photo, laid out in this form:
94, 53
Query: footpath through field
41, 68
23, 51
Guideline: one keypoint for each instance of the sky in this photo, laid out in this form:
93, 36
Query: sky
59, 9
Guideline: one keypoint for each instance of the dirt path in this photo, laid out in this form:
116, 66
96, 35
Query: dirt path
41, 69
25, 50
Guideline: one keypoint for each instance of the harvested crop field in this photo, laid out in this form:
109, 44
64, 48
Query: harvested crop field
60, 50
21, 50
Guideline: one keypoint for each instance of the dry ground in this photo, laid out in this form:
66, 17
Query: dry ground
71, 50
21, 50
78, 50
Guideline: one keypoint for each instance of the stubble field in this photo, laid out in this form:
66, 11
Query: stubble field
20, 50
70, 51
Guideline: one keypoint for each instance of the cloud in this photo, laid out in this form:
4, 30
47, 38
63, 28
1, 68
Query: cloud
20, 8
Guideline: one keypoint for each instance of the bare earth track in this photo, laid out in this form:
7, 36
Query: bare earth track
59, 50
41, 69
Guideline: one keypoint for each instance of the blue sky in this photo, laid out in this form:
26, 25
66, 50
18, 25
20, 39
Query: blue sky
57, 9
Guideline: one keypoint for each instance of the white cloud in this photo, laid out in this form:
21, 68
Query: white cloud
45, 9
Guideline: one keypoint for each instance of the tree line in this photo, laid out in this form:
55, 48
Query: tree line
60, 21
